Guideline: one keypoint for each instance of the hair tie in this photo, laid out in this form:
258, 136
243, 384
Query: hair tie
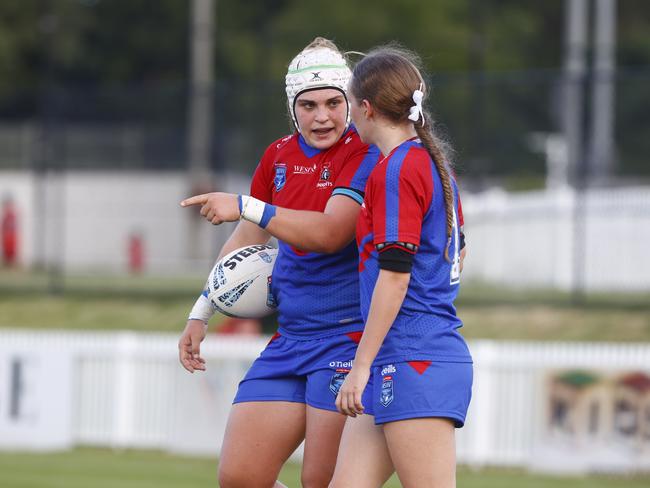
416, 110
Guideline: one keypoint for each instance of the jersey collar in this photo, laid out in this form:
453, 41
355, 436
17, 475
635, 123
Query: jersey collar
310, 151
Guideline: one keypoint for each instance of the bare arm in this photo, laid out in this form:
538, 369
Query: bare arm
387, 299
245, 234
189, 344
327, 231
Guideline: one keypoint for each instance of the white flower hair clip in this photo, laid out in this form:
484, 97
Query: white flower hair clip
416, 110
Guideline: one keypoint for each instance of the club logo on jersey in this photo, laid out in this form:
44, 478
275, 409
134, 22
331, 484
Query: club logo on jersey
386, 396
280, 176
337, 380
270, 299
316, 76
325, 176
347, 141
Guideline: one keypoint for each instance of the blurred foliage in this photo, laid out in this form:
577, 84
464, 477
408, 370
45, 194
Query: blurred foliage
496, 68
54, 42
101, 41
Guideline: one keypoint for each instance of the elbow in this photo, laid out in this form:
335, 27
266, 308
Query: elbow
329, 242
399, 281
332, 234
330, 246
325, 249
404, 281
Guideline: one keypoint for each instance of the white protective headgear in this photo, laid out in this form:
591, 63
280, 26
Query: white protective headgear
318, 67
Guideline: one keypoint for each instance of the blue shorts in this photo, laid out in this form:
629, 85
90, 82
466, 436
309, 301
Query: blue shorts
308, 372
417, 389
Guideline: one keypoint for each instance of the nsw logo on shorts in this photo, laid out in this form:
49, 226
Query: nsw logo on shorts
386, 396
337, 380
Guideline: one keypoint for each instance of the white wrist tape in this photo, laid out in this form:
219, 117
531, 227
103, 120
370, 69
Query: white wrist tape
252, 209
202, 310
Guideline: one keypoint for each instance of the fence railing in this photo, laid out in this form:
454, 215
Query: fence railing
550, 406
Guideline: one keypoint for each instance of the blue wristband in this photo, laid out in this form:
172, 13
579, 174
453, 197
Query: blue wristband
239, 202
269, 213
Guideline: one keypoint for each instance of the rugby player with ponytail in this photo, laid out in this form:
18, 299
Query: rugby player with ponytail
412, 372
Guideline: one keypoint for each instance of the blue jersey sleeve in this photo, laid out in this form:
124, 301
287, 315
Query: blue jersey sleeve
361, 160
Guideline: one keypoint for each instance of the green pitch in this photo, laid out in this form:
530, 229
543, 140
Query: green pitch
144, 303
102, 468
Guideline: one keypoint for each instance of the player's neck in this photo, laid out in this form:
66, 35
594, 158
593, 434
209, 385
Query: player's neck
391, 136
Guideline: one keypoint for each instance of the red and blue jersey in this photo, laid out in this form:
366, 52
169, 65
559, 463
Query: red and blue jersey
404, 203
316, 294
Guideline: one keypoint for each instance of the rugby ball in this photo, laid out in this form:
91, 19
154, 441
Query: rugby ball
239, 285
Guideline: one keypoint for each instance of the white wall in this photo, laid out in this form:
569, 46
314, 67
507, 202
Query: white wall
530, 240
82, 220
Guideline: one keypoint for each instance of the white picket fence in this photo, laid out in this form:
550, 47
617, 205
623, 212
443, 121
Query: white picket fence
125, 389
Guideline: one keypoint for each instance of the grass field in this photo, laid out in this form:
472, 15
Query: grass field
102, 468
155, 304
498, 321
161, 304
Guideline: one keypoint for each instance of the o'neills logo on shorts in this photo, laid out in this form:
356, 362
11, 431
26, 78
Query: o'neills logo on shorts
389, 368
341, 364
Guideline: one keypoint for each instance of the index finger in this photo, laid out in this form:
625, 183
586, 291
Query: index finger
195, 200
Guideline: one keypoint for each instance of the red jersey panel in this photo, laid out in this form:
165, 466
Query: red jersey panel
404, 202
316, 294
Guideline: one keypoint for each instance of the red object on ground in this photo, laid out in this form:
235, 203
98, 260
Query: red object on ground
235, 325
9, 234
136, 253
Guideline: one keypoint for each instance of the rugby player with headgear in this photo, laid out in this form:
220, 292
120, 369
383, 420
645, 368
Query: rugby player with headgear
306, 191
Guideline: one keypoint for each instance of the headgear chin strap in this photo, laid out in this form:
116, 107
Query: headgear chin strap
314, 68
